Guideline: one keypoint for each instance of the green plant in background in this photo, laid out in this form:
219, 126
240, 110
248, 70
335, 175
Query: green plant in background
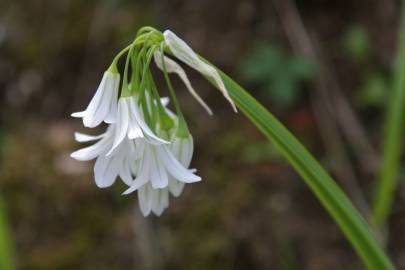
388, 177
372, 92
254, 152
278, 74
356, 43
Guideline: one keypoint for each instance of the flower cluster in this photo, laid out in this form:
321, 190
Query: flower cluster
146, 145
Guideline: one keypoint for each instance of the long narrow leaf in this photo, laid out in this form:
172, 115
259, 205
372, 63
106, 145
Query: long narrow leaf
388, 177
317, 179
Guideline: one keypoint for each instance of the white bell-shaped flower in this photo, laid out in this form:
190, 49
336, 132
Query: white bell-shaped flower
122, 162
131, 124
102, 146
103, 105
157, 200
153, 200
157, 166
182, 149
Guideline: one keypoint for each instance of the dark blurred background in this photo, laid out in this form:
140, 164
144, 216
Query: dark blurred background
322, 67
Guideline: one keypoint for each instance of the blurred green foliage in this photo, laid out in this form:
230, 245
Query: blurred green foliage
356, 43
253, 152
373, 91
373, 87
278, 74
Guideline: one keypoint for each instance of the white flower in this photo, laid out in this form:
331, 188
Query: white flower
101, 147
183, 52
103, 106
162, 169
122, 162
173, 67
157, 200
182, 149
157, 166
153, 200
131, 124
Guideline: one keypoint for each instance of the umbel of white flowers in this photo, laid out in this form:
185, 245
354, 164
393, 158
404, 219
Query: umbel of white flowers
145, 144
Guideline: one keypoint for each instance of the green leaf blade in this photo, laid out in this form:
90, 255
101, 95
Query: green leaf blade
393, 140
322, 185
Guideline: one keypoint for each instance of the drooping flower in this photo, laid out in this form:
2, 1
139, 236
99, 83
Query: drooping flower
102, 146
131, 124
147, 145
163, 169
152, 200
184, 53
182, 149
106, 169
157, 164
155, 201
103, 106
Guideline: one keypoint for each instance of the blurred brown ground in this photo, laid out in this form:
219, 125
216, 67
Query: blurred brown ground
244, 215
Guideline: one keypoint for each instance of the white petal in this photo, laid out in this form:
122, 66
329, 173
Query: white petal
126, 177
182, 149
144, 198
103, 108
78, 114
182, 51
134, 167
173, 67
112, 111
95, 112
80, 137
155, 195
125, 170
134, 130
175, 168
105, 171
188, 152
121, 125
165, 101
146, 130
176, 187
158, 174
175, 146
142, 177
160, 201
138, 148
91, 152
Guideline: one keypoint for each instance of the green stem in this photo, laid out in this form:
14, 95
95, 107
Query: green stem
126, 92
182, 129
388, 176
120, 54
317, 179
166, 123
